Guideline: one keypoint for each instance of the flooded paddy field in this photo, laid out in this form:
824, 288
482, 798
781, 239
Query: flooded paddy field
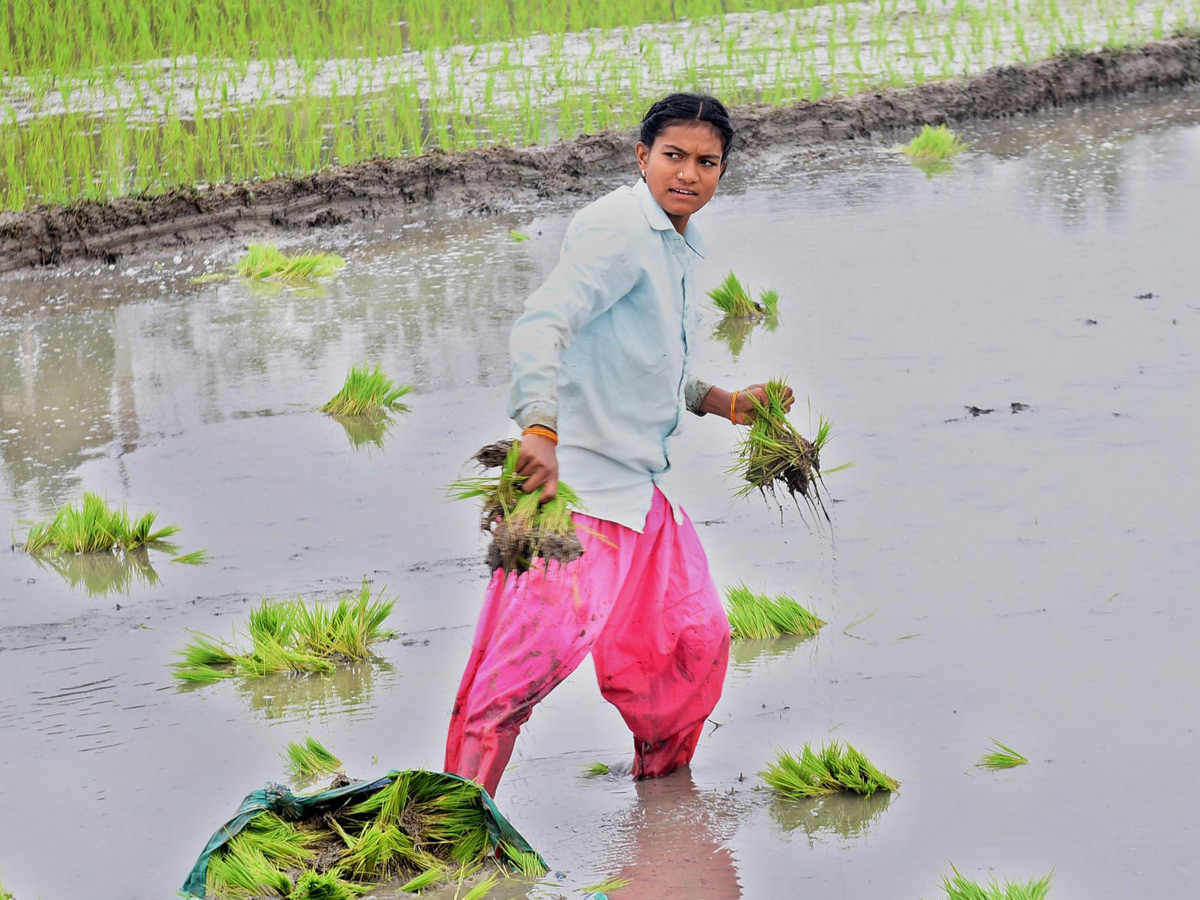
1025, 574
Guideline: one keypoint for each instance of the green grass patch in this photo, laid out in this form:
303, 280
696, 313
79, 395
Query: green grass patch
523, 528
774, 458
94, 527
266, 262
836, 766
597, 768
290, 636
308, 758
733, 299
760, 617
367, 392
1002, 757
959, 887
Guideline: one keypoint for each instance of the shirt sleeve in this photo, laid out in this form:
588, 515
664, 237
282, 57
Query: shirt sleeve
597, 268
694, 392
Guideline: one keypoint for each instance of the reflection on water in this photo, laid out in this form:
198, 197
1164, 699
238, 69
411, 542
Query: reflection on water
843, 815
745, 655
367, 430
100, 574
347, 691
734, 332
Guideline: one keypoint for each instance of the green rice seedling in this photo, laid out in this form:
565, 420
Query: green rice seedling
195, 558
267, 262
527, 862
251, 863
733, 299
329, 885
1003, 757
773, 456
426, 879
759, 617
481, 890
518, 236
4, 893
934, 145
292, 637
310, 758
94, 527
835, 767
596, 768
960, 887
367, 392
607, 886
523, 528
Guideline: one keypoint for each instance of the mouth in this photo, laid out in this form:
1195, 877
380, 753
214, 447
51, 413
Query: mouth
682, 192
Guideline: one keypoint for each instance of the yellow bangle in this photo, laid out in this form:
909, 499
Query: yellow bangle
732, 407
541, 431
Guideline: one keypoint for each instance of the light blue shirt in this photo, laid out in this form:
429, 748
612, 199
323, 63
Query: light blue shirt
601, 353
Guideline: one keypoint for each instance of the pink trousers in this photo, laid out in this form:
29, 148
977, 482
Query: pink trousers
646, 608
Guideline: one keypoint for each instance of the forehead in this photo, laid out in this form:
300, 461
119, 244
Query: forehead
699, 138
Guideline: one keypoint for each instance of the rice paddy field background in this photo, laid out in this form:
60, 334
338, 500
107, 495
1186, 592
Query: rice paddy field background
136, 97
1008, 351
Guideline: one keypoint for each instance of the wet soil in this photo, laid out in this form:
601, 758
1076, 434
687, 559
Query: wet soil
497, 178
1028, 577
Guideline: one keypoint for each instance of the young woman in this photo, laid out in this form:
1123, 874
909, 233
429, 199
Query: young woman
600, 384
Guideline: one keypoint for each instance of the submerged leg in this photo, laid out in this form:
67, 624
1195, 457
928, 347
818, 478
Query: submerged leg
661, 658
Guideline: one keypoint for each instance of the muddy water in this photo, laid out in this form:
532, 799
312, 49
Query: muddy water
1027, 575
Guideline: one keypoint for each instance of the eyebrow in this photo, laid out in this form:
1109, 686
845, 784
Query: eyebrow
682, 150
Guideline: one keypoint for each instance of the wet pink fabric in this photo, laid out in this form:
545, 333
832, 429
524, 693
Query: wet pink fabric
646, 608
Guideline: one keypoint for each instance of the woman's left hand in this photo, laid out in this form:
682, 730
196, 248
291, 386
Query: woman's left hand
743, 407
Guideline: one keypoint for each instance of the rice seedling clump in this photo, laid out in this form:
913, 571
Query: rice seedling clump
264, 262
418, 829
4, 893
733, 299
772, 455
523, 528
960, 887
367, 392
834, 767
310, 758
290, 637
759, 617
1002, 757
934, 144
94, 527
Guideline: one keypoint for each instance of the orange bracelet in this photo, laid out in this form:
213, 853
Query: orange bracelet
732, 406
541, 431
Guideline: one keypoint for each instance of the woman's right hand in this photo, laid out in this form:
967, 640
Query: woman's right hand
538, 462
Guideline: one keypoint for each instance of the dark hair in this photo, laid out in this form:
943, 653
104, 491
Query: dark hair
675, 109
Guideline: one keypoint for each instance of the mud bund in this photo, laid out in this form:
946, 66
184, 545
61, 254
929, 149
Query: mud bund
495, 178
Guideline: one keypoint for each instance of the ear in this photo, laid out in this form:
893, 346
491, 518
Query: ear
643, 155
724, 166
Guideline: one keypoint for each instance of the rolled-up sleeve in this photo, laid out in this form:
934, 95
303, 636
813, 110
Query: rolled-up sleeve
694, 392
596, 269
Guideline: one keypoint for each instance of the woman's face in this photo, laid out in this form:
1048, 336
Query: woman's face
682, 168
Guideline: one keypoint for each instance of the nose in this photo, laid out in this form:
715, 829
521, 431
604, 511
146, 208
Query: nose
687, 171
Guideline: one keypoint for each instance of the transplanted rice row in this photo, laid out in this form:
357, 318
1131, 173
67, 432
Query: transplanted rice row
523, 529
92, 115
960, 887
834, 767
290, 636
755, 616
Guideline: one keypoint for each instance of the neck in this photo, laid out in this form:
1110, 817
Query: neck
680, 222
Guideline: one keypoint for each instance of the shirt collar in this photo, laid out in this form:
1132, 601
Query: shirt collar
660, 221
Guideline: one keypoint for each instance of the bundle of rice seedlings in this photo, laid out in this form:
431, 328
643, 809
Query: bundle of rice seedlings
773, 456
960, 887
733, 299
367, 392
417, 830
934, 144
310, 758
759, 617
523, 528
95, 527
596, 768
1003, 757
266, 261
607, 886
835, 767
291, 636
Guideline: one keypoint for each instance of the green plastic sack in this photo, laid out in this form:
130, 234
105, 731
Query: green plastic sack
279, 799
